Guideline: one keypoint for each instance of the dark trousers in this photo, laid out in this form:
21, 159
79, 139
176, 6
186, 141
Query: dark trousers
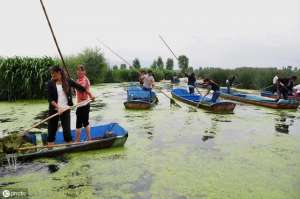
192, 89
274, 88
82, 116
215, 96
282, 91
65, 123
228, 89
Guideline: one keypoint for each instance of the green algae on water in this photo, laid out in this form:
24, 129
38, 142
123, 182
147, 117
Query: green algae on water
246, 157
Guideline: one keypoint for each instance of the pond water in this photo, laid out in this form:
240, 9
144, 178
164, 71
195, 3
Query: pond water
171, 152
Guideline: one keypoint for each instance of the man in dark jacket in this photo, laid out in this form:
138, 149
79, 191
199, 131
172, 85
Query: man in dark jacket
285, 87
191, 82
211, 85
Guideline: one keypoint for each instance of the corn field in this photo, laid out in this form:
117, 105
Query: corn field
24, 77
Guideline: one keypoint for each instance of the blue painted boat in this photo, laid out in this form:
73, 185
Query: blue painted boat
205, 103
103, 136
138, 98
259, 100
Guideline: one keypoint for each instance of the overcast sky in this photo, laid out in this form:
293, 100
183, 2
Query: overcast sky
223, 33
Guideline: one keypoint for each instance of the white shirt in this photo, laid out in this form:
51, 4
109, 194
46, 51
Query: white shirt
275, 78
148, 81
297, 88
62, 100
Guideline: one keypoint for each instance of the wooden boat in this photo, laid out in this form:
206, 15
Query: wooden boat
103, 136
193, 99
259, 100
270, 94
140, 99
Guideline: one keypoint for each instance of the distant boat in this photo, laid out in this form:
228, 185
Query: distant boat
139, 99
103, 136
194, 99
175, 80
259, 100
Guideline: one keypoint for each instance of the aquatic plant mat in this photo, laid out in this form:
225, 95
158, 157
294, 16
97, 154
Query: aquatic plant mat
170, 153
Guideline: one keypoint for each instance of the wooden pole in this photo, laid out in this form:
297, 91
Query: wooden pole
52, 116
116, 54
171, 99
162, 39
55, 40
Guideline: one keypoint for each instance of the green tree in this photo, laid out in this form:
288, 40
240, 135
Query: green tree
154, 64
170, 64
160, 63
94, 62
123, 66
183, 63
109, 77
136, 63
190, 70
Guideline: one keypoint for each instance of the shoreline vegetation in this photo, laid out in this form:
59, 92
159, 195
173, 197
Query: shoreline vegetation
26, 77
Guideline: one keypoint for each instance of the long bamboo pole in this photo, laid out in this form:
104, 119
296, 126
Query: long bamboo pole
113, 52
52, 116
162, 39
54, 38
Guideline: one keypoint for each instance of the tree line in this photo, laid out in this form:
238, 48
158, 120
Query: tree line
25, 77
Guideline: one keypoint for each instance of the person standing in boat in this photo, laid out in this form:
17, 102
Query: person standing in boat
275, 78
211, 85
229, 83
83, 110
142, 74
191, 82
149, 81
290, 85
148, 84
285, 87
60, 100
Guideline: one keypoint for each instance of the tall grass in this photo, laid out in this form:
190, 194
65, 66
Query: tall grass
24, 77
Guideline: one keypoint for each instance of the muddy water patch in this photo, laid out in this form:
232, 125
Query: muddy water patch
142, 186
283, 121
4, 120
29, 168
42, 115
114, 157
222, 119
6, 184
97, 105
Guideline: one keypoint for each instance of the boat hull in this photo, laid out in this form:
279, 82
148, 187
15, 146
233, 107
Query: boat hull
219, 107
98, 143
138, 105
273, 105
140, 99
271, 95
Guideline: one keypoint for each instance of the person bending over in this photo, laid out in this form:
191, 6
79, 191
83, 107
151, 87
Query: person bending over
211, 85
